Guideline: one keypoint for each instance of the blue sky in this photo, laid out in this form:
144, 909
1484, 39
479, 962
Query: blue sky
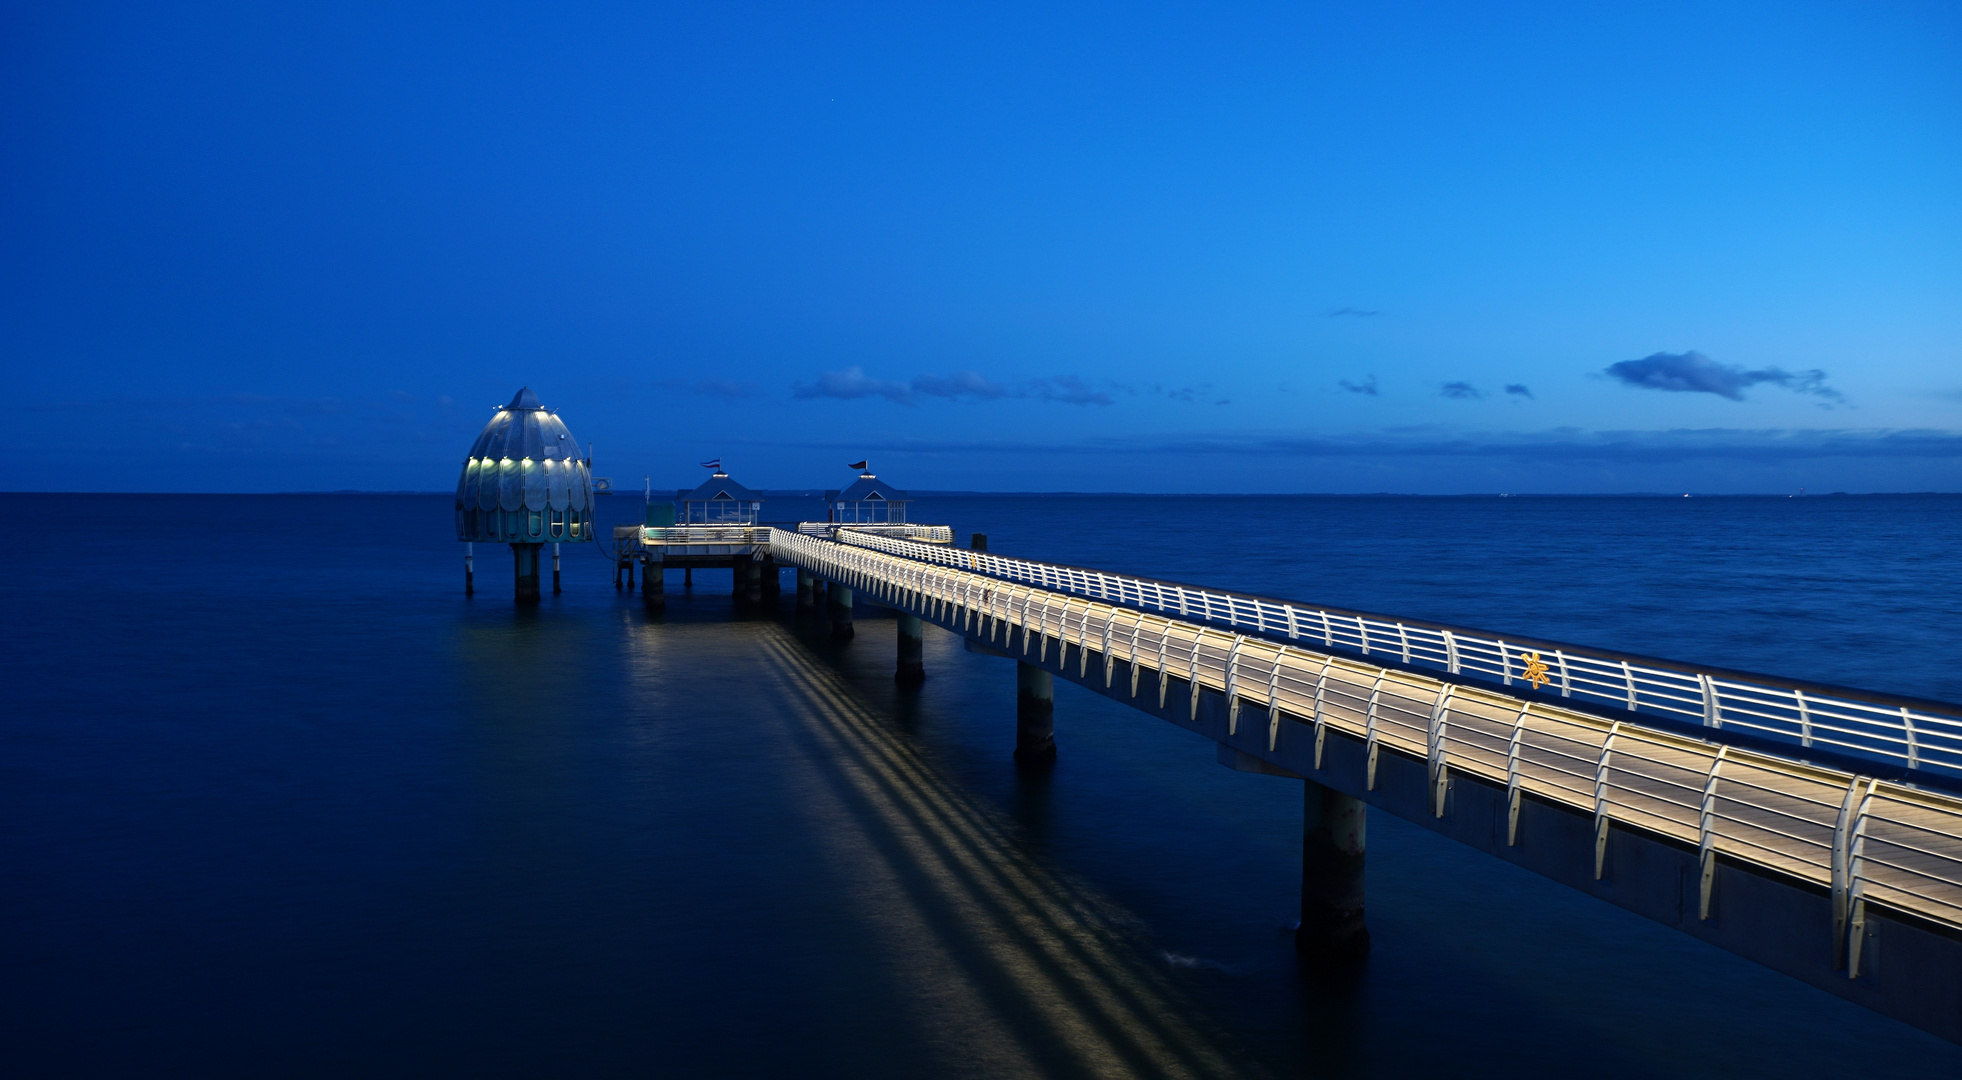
1709, 247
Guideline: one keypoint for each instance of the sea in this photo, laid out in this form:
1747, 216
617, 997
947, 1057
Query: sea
278, 800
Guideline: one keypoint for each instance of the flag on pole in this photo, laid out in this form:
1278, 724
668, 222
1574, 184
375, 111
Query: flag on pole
859, 464
716, 464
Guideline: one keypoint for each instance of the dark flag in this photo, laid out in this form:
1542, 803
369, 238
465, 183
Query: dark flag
859, 464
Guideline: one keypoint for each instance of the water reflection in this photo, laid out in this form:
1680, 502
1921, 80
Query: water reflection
1014, 970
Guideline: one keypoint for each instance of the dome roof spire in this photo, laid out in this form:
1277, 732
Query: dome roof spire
525, 399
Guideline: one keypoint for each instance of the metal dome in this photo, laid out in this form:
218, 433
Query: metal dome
524, 481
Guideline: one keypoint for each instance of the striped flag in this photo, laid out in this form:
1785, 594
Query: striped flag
716, 464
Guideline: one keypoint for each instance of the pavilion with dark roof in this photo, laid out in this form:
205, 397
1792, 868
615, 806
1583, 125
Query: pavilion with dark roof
867, 501
719, 501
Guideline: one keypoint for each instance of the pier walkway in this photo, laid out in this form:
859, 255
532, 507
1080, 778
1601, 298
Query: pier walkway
1810, 828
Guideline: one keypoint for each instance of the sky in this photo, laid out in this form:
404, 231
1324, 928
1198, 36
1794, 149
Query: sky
1523, 248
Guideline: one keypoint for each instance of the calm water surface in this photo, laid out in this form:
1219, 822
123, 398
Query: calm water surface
278, 802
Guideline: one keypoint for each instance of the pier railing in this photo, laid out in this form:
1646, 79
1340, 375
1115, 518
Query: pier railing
1907, 732
1865, 839
705, 534
931, 534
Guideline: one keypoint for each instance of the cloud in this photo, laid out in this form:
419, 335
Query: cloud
722, 388
1460, 390
1367, 387
959, 385
853, 383
1518, 390
1551, 447
1350, 312
1070, 390
1187, 394
1694, 373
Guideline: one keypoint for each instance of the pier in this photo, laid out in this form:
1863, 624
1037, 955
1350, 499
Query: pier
1814, 829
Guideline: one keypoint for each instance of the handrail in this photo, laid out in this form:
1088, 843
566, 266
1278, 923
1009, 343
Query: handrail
933, 534
1864, 839
1913, 734
705, 534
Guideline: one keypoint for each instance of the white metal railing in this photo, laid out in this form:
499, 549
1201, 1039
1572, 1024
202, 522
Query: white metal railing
705, 534
930, 534
1904, 732
1864, 839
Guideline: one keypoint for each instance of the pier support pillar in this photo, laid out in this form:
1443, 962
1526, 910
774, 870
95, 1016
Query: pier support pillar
737, 565
1332, 834
753, 579
555, 569
806, 586
469, 569
841, 612
653, 581
1035, 717
772, 580
687, 577
524, 559
627, 563
912, 650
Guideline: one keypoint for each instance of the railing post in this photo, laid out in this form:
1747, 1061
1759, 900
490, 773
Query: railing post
1369, 735
1274, 700
1164, 676
1137, 628
1601, 801
1233, 685
1706, 835
1841, 885
1110, 662
1856, 849
1512, 775
1440, 766
1321, 720
1192, 674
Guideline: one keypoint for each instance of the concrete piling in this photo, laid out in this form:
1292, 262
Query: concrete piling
912, 648
1035, 717
1333, 829
841, 613
469, 569
555, 569
653, 582
524, 559
753, 579
805, 587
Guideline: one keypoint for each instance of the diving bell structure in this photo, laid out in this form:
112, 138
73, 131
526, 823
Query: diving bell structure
526, 485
